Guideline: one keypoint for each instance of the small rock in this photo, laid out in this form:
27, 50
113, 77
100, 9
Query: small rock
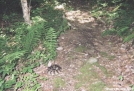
59, 48
62, 38
92, 60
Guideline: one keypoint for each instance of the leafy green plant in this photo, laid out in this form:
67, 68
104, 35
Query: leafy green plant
122, 26
29, 36
120, 17
3, 46
121, 78
28, 69
53, 17
7, 69
20, 48
132, 87
28, 82
8, 81
50, 43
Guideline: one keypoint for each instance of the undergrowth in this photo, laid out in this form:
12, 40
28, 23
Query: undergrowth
118, 14
29, 46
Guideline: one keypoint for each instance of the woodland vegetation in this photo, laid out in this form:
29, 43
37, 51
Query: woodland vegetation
25, 45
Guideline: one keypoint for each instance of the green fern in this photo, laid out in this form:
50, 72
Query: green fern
109, 32
3, 46
128, 38
50, 44
27, 37
43, 30
123, 31
9, 58
9, 61
34, 34
123, 24
54, 19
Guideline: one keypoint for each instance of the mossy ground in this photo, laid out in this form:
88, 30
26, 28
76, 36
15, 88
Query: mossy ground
80, 48
89, 78
106, 55
58, 82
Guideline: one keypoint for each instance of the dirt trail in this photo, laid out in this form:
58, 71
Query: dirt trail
77, 46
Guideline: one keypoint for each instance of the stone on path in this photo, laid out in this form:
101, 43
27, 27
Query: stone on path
92, 60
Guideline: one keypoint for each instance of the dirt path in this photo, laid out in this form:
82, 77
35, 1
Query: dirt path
80, 46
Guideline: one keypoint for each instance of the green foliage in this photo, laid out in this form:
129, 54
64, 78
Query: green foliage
28, 36
7, 68
33, 35
8, 81
53, 17
54, 25
28, 69
28, 82
132, 87
22, 47
121, 17
122, 26
9, 58
3, 45
121, 78
102, 3
8, 61
130, 37
50, 44
36, 55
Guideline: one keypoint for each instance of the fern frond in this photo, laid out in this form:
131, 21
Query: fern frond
12, 56
128, 38
109, 32
2, 44
34, 34
123, 31
50, 43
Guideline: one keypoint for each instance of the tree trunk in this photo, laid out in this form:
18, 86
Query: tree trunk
26, 11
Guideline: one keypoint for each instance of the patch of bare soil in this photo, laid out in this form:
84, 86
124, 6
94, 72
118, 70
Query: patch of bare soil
82, 42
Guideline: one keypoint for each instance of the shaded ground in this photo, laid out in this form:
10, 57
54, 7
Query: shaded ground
113, 70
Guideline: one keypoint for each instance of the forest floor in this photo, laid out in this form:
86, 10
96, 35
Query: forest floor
89, 61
